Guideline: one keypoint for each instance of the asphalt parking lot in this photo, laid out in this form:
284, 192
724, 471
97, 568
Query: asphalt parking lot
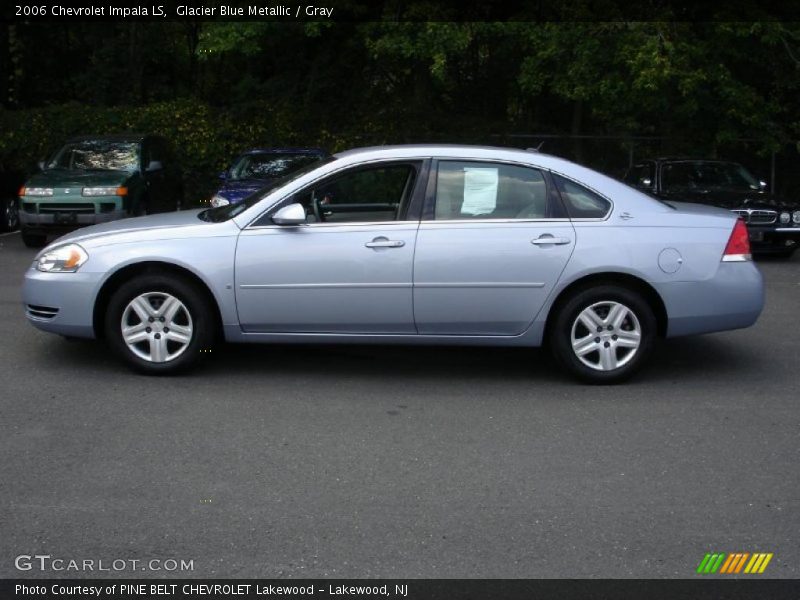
293, 461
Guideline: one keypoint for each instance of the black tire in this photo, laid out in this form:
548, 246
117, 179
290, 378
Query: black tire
33, 240
9, 214
602, 298
200, 320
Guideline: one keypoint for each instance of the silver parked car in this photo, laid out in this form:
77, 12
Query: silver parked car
408, 244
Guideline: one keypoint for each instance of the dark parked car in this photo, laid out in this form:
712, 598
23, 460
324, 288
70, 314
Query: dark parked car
255, 169
97, 179
773, 224
10, 181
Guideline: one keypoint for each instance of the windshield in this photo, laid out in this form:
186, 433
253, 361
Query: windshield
223, 213
269, 165
97, 155
699, 175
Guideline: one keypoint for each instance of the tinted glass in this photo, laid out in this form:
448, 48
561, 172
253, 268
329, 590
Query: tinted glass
362, 194
269, 165
641, 175
478, 190
700, 175
581, 202
99, 155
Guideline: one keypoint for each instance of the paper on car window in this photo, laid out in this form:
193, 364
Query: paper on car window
480, 190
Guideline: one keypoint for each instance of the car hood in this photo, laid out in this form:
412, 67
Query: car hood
77, 178
733, 199
159, 226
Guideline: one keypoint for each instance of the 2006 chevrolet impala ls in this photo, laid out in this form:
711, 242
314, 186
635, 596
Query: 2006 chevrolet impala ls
408, 244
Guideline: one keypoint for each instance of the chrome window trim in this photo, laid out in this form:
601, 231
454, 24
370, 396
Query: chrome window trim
490, 221
326, 175
327, 225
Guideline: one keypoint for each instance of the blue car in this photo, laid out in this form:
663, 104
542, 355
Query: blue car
421, 244
256, 168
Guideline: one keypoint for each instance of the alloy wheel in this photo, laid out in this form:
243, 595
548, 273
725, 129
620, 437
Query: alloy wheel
157, 327
606, 335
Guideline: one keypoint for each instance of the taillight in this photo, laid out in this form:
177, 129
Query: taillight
738, 248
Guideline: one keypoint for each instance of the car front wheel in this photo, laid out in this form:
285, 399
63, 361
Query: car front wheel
603, 334
159, 323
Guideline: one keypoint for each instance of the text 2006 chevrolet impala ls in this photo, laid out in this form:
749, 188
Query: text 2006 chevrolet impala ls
409, 244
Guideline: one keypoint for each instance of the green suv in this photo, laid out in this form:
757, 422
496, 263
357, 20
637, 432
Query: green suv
97, 179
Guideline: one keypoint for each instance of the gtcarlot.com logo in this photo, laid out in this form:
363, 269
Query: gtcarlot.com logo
734, 563
45, 562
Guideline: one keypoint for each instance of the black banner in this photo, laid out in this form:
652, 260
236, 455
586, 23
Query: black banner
288, 11
405, 589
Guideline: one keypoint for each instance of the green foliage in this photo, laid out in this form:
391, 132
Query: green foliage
215, 88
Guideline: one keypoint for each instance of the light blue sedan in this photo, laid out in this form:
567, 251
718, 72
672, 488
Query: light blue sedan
414, 245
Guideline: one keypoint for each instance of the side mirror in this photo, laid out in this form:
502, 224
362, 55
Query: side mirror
293, 214
762, 184
41, 165
223, 175
155, 165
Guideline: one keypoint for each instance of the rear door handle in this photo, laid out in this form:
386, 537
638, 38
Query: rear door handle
549, 239
385, 243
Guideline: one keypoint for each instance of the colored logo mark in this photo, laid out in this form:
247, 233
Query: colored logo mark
736, 562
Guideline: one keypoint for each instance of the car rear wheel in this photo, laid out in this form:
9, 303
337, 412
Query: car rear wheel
159, 323
603, 334
33, 240
9, 215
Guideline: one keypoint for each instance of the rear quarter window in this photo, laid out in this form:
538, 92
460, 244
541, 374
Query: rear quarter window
579, 201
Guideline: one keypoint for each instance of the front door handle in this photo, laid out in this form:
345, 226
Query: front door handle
549, 239
382, 242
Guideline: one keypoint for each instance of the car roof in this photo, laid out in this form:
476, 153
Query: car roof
465, 151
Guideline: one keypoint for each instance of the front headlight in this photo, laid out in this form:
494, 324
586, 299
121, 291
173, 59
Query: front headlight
36, 191
64, 259
785, 217
218, 201
105, 191
796, 217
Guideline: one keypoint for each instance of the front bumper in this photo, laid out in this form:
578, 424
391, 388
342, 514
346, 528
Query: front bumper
771, 239
50, 223
61, 303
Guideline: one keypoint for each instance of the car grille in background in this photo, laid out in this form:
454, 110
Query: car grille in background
83, 208
42, 312
29, 207
106, 207
757, 217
